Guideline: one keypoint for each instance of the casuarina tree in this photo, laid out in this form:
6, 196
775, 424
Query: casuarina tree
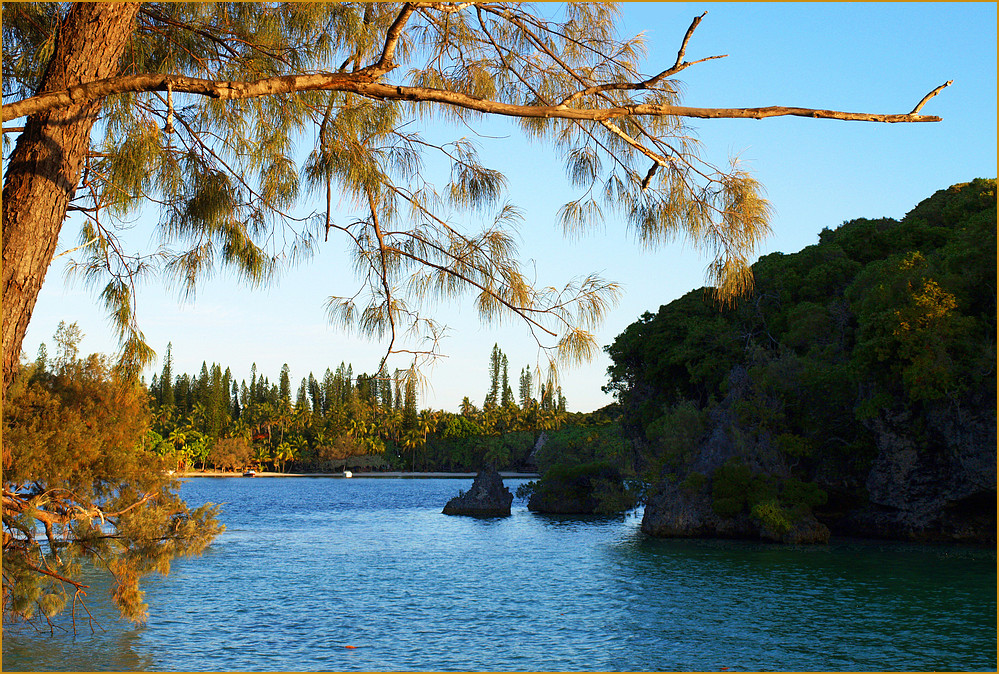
198, 107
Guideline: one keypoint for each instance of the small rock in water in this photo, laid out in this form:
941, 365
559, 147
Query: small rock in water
487, 497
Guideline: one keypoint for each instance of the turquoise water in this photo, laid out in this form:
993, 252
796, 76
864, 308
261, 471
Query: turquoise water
310, 566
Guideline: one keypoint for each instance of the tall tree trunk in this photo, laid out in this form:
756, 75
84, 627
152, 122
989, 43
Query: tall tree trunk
44, 169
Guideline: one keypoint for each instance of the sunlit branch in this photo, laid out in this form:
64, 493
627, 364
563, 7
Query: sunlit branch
387, 60
930, 95
360, 83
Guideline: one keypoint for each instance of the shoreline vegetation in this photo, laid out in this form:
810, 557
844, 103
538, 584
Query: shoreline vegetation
346, 421
852, 392
375, 474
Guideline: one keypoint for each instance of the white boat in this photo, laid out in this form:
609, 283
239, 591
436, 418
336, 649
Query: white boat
250, 473
347, 473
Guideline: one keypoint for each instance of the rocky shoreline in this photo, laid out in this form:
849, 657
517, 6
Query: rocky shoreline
909, 491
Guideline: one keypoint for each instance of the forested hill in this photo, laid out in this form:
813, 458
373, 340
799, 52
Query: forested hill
856, 382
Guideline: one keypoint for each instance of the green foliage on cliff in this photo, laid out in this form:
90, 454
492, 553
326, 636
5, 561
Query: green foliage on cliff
776, 502
880, 320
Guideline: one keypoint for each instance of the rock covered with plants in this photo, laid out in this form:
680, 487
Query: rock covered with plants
853, 390
583, 489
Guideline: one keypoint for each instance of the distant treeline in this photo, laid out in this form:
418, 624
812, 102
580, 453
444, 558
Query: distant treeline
210, 420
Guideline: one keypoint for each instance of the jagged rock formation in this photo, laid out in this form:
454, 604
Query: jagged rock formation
531, 462
675, 513
942, 492
686, 508
488, 497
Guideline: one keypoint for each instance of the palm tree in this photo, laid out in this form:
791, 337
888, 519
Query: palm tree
298, 443
285, 452
262, 455
425, 423
179, 438
165, 417
410, 440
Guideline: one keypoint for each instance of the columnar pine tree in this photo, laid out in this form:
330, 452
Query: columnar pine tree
166, 379
506, 398
526, 387
284, 387
302, 399
495, 373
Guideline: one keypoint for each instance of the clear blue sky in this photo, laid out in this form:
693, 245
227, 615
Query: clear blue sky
855, 57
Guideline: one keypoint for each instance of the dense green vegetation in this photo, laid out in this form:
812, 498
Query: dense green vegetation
210, 421
880, 324
581, 488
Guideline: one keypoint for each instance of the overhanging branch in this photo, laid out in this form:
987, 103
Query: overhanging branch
362, 84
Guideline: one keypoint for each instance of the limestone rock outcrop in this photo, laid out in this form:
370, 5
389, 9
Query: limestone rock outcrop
673, 512
488, 497
931, 479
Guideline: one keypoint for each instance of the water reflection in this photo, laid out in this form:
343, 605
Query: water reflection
104, 644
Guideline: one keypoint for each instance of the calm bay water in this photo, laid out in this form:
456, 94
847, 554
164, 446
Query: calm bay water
308, 567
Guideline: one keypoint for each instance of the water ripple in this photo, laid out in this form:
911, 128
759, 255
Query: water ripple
308, 568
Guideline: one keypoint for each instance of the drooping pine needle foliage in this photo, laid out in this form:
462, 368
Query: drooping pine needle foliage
232, 178
81, 489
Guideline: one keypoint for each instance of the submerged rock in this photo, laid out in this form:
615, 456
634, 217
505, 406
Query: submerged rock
487, 497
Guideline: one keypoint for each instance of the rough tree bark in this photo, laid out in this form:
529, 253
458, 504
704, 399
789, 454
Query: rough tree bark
45, 166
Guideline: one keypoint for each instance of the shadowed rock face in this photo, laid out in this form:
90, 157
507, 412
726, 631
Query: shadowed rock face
675, 513
487, 497
934, 485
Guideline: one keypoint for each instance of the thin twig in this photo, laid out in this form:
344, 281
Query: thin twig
931, 95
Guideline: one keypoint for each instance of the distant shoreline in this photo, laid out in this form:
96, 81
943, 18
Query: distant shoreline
385, 474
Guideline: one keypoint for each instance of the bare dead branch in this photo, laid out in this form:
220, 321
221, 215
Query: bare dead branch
446, 7
616, 130
686, 39
930, 95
